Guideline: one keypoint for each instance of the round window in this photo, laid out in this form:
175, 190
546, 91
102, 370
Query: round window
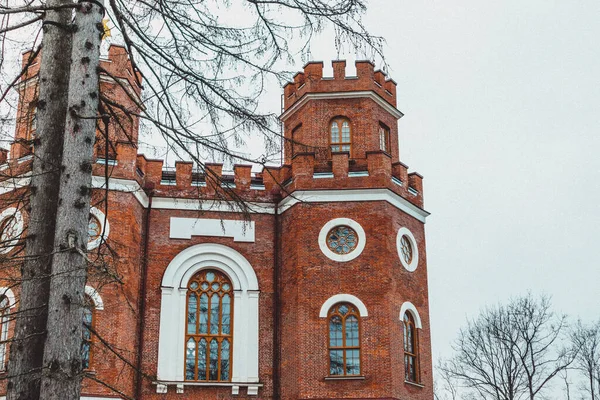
98, 228
94, 228
408, 251
342, 239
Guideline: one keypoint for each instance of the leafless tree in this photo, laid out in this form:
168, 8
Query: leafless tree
510, 352
586, 339
198, 71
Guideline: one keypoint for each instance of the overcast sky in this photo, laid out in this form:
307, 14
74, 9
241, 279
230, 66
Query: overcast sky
502, 117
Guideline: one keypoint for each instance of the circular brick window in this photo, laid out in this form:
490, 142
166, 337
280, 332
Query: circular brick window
408, 250
342, 239
98, 228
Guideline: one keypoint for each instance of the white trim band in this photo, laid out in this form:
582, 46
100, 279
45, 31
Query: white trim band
408, 306
368, 94
325, 196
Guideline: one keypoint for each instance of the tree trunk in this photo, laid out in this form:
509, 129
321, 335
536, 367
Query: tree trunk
26, 352
61, 380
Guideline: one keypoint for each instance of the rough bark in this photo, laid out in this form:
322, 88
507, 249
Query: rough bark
26, 353
61, 379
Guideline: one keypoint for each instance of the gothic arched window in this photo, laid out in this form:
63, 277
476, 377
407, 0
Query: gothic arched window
88, 325
344, 340
209, 331
340, 135
4, 319
411, 349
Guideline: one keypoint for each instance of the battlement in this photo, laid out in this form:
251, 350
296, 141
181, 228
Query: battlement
311, 80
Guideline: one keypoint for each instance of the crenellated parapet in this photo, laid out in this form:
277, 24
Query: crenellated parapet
311, 80
343, 173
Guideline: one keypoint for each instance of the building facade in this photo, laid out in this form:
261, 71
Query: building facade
315, 287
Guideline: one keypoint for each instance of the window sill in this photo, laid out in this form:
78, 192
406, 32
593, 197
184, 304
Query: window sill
414, 384
345, 378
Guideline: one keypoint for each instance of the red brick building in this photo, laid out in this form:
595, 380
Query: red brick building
315, 288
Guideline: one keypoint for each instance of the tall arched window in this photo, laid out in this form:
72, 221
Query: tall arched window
88, 325
4, 319
340, 135
344, 340
411, 349
209, 331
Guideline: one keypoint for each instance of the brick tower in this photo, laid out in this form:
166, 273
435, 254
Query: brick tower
321, 294
354, 280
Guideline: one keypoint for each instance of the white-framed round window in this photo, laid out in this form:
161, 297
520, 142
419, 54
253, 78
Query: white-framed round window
11, 228
408, 251
98, 228
342, 239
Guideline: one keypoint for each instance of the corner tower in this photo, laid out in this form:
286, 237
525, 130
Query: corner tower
353, 270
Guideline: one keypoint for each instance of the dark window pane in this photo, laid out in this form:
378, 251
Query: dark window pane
192, 310
335, 332
204, 313
352, 362
202, 360
214, 360
190, 359
214, 314
225, 360
226, 322
336, 362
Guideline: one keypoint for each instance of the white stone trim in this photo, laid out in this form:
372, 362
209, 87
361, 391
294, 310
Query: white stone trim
173, 312
185, 228
408, 306
104, 228
362, 239
10, 295
169, 203
95, 296
122, 185
343, 298
11, 242
354, 195
414, 263
369, 94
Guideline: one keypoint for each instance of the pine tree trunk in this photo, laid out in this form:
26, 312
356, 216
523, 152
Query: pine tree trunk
26, 352
61, 380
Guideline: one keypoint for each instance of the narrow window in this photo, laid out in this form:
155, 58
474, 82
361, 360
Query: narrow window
88, 325
384, 138
4, 319
32, 121
294, 145
209, 330
340, 135
344, 340
411, 358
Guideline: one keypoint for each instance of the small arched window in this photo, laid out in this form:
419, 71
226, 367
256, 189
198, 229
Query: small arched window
88, 326
4, 319
340, 135
411, 349
209, 331
344, 340
384, 138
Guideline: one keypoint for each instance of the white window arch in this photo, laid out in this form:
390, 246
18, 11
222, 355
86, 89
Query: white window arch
410, 307
95, 297
7, 302
343, 298
173, 311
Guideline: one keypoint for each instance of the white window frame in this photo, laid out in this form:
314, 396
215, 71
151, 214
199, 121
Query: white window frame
362, 239
173, 311
414, 263
343, 298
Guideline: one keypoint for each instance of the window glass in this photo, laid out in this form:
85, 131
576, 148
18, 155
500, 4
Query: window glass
209, 338
344, 340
